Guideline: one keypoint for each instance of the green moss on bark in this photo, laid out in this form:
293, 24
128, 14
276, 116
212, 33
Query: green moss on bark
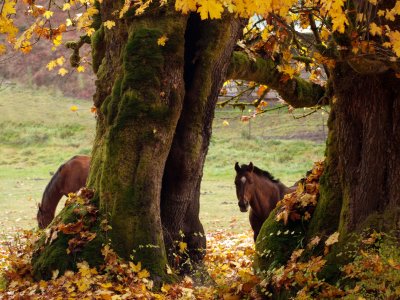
325, 219
143, 62
98, 48
52, 255
276, 242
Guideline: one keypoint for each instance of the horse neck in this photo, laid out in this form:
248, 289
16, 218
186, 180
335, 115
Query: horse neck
51, 196
283, 189
49, 203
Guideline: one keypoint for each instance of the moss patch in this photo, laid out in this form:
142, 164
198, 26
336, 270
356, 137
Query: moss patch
51, 249
98, 48
276, 242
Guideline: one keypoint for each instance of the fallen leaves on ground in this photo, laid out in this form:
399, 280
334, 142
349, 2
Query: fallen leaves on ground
228, 261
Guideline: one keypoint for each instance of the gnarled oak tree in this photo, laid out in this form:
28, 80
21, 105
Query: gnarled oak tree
160, 66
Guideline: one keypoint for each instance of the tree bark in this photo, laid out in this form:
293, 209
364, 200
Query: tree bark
359, 188
140, 91
142, 88
363, 151
209, 45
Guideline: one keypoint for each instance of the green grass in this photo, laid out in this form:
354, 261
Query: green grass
38, 132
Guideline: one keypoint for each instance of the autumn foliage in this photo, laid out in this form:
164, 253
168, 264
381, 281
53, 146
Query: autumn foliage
275, 28
373, 266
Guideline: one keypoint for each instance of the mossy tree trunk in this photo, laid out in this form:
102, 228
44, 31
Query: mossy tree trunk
140, 91
359, 188
208, 49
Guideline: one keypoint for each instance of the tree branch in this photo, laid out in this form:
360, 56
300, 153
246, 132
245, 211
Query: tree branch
296, 91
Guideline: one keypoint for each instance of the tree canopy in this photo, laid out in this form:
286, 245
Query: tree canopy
296, 35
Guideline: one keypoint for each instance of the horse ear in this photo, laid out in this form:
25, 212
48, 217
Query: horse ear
251, 167
237, 168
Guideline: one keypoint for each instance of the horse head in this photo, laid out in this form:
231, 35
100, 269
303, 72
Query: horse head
244, 185
42, 217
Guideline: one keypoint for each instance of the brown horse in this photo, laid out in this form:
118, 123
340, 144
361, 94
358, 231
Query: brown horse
259, 190
69, 178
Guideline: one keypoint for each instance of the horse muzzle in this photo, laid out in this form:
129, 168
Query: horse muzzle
244, 207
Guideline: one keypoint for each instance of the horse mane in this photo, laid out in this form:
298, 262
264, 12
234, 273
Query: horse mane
263, 173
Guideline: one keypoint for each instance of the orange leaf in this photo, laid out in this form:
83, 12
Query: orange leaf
71, 228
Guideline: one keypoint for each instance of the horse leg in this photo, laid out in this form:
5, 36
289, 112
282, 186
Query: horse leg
255, 223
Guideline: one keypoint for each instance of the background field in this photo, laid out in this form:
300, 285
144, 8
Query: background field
38, 132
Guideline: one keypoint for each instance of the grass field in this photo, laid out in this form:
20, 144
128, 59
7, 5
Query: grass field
38, 132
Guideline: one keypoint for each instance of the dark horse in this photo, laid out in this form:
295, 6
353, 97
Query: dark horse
259, 190
69, 178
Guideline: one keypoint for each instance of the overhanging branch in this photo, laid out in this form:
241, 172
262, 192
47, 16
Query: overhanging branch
296, 91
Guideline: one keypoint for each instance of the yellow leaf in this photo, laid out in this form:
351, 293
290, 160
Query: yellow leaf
57, 40
83, 267
165, 288
8, 8
106, 285
26, 47
73, 108
381, 13
90, 31
185, 5
109, 24
225, 123
332, 239
211, 8
162, 40
2, 49
143, 274
68, 22
55, 274
124, 8
60, 61
82, 285
135, 268
394, 37
169, 271
66, 6
375, 29
390, 15
48, 14
287, 69
182, 247
80, 69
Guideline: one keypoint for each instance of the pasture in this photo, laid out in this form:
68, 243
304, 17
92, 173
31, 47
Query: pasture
38, 132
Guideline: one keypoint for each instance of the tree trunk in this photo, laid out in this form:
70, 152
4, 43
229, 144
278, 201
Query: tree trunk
209, 46
139, 100
142, 88
360, 187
